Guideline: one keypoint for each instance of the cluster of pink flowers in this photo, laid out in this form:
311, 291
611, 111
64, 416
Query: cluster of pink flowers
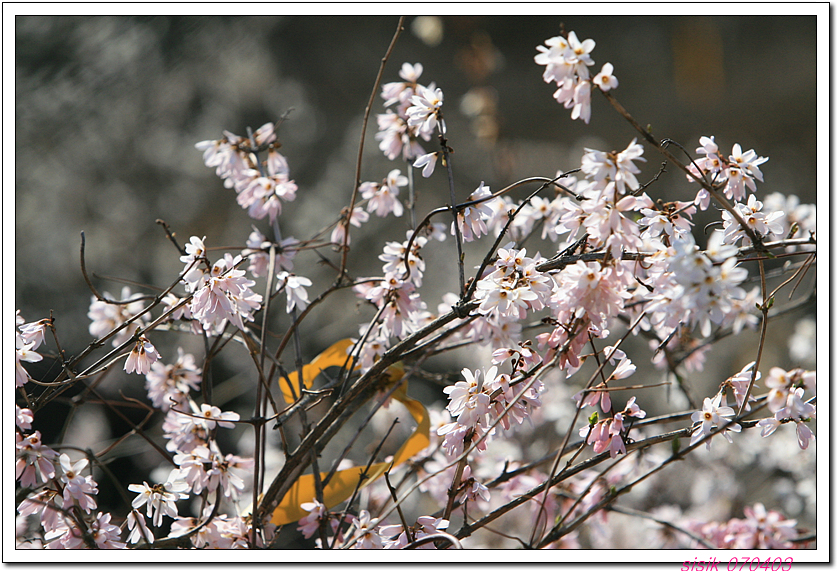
58, 488
690, 286
169, 385
478, 405
383, 197
201, 466
761, 529
797, 220
512, 286
28, 337
400, 307
220, 293
760, 222
714, 415
785, 400
261, 187
221, 532
737, 172
567, 61
416, 116
607, 434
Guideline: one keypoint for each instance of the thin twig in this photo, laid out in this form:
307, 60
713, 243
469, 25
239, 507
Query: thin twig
408, 532
762, 336
357, 180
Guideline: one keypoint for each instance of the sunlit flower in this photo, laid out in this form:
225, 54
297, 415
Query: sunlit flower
605, 79
711, 416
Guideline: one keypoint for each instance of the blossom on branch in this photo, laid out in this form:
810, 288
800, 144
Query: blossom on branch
713, 415
159, 499
567, 61
226, 295
142, 356
297, 296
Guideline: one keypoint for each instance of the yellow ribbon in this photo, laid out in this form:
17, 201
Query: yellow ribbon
344, 482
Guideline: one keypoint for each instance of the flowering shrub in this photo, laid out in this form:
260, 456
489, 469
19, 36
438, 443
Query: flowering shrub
552, 338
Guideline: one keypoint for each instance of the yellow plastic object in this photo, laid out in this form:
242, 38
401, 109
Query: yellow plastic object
343, 483
334, 356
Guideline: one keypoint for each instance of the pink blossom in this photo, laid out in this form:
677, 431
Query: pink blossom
472, 490
35, 461
357, 218
425, 109
712, 416
24, 353
77, 487
142, 356
383, 198
167, 384
297, 296
193, 467
23, 418
212, 415
44, 503
221, 476
138, 528
159, 499
427, 163
604, 79
105, 534
311, 523
471, 219
363, 530
225, 296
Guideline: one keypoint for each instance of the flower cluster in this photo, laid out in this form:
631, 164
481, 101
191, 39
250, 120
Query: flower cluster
798, 220
261, 187
785, 400
600, 393
142, 357
221, 532
761, 529
220, 294
512, 286
607, 434
65, 490
567, 61
400, 307
472, 219
477, 404
760, 222
694, 287
736, 172
35, 462
258, 253
383, 197
169, 385
28, 337
416, 116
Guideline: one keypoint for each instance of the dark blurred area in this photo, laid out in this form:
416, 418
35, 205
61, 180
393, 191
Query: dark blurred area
108, 110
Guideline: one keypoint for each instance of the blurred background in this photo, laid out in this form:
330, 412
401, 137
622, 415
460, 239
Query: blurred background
108, 110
